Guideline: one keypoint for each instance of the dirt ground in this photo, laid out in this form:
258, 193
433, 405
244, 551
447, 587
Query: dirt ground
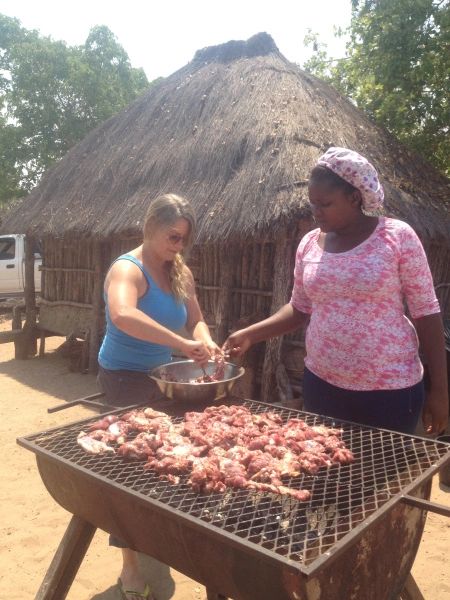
32, 524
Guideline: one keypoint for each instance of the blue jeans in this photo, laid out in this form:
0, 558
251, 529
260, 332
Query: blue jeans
397, 410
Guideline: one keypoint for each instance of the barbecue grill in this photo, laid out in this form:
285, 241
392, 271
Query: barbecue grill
356, 537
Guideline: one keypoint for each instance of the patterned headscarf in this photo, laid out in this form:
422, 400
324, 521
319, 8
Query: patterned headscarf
356, 170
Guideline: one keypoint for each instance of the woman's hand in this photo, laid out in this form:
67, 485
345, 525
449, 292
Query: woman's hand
285, 320
195, 350
435, 412
237, 343
214, 350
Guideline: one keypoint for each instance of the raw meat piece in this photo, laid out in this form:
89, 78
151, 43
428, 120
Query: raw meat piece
222, 447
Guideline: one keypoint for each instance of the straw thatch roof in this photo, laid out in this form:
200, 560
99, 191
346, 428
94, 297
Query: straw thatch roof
237, 131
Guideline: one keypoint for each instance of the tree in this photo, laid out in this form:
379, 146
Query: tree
9, 178
397, 69
52, 95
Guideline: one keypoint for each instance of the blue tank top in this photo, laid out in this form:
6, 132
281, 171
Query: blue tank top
122, 351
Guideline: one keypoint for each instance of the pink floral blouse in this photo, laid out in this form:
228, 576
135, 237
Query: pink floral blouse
358, 337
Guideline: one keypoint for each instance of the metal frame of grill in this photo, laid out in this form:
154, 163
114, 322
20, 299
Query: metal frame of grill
345, 499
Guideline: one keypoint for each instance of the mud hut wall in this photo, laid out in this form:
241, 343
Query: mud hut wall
439, 260
248, 282
234, 286
68, 272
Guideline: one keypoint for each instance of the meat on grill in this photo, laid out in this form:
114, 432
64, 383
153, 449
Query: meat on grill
95, 442
103, 423
143, 446
222, 447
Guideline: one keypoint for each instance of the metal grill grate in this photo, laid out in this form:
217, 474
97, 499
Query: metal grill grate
342, 497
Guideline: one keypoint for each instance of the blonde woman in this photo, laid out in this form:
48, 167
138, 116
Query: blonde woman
150, 296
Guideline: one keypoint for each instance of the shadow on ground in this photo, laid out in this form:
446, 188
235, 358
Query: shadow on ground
49, 375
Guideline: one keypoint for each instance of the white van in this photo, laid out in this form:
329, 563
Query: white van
12, 265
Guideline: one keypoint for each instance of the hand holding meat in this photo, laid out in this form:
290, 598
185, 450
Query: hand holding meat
219, 371
237, 343
214, 350
195, 350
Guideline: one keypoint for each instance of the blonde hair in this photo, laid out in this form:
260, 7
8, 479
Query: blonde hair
164, 211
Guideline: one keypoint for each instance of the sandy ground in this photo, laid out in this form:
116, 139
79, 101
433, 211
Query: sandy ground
32, 524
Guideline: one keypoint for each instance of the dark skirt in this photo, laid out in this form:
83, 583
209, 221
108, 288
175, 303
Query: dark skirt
125, 388
397, 410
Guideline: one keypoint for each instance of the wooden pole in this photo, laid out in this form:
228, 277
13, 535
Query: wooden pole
223, 305
97, 300
281, 291
26, 344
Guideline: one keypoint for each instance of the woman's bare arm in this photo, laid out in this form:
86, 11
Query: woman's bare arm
124, 286
430, 331
285, 320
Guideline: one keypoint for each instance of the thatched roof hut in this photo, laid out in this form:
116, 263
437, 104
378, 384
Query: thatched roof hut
237, 131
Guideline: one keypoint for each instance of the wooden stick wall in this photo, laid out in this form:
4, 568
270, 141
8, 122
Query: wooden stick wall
68, 270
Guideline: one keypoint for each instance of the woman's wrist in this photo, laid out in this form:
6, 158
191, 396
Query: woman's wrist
437, 382
251, 334
179, 342
437, 390
202, 334
206, 339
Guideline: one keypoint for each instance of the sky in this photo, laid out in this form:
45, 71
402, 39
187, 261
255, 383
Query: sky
162, 36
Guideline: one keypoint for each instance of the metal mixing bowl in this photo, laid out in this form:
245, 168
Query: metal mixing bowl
173, 381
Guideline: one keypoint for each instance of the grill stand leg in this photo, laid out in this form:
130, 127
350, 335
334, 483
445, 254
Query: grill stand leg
210, 595
67, 560
411, 590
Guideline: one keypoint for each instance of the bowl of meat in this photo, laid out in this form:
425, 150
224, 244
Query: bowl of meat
185, 380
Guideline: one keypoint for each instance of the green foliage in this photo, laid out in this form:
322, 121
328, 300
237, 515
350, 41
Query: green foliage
9, 178
52, 95
397, 69
319, 61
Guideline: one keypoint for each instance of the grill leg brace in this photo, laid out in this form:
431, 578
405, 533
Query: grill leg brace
67, 560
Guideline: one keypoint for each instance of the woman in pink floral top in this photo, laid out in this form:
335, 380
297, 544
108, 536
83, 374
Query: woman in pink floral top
353, 277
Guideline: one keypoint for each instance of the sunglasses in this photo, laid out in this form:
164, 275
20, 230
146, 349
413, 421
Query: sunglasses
176, 238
